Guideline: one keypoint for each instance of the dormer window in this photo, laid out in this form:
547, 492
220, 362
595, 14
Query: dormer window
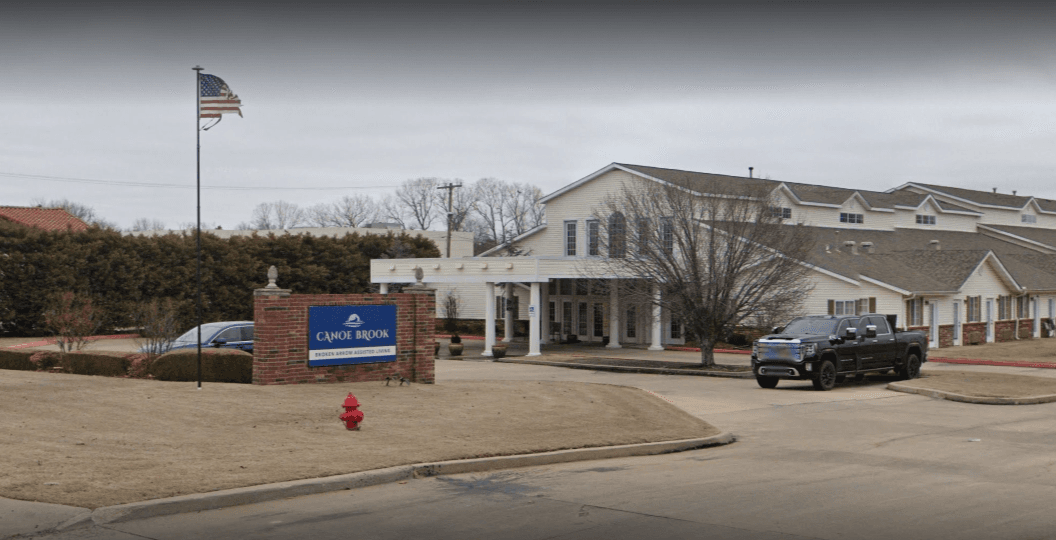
780, 212
851, 218
1028, 218
925, 220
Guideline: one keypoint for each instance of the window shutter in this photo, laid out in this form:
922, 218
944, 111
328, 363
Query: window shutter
832, 307
872, 304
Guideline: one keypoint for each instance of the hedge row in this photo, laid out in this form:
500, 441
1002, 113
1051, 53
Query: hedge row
119, 272
218, 365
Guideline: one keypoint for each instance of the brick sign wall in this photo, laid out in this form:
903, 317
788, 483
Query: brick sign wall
281, 349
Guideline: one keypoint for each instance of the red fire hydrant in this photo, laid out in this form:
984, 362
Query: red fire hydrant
351, 417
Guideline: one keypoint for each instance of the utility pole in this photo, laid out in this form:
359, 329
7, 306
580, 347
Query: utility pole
450, 187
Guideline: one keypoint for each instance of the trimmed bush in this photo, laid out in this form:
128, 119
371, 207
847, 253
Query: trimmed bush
17, 360
95, 364
218, 365
45, 359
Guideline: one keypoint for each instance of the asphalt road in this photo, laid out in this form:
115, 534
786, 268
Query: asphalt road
857, 462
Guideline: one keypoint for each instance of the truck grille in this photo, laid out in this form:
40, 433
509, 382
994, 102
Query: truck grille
781, 351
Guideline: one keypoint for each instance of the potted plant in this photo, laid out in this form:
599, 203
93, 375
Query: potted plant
498, 350
455, 347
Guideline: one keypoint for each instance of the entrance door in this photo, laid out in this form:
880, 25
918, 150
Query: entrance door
989, 320
566, 320
956, 323
933, 329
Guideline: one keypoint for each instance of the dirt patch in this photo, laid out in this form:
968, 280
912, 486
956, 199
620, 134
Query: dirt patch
984, 384
96, 441
1027, 350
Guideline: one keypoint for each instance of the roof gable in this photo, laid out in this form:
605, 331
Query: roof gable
48, 219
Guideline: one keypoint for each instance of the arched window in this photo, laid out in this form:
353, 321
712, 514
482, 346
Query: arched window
617, 236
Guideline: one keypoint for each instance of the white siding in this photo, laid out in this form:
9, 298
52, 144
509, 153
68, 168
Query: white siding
829, 288
830, 217
578, 204
943, 221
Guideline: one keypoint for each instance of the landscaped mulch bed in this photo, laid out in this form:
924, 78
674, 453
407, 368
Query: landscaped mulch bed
635, 363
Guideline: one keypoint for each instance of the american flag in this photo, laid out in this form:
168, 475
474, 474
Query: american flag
217, 98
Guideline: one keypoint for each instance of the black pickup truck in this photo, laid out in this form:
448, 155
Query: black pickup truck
829, 348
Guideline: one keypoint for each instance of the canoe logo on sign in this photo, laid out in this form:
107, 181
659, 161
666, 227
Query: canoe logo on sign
351, 335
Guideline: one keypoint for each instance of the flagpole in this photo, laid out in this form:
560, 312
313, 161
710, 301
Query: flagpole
198, 236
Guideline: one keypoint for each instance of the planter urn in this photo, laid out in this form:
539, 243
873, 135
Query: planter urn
454, 349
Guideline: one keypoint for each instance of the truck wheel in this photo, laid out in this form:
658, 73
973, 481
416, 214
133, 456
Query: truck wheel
912, 368
826, 377
766, 382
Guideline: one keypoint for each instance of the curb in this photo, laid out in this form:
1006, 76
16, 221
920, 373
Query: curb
284, 490
980, 400
1005, 363
697, 349
625, 369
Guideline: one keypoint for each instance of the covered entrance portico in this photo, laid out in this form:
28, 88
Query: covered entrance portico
562, 305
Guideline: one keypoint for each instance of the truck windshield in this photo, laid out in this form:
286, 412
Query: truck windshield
811, 325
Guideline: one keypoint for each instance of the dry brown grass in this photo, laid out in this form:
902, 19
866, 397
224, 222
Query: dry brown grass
95, 441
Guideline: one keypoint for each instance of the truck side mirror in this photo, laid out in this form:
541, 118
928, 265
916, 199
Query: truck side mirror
870, 331
850, 333
219, 342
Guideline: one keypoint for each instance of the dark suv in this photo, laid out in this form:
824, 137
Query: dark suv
826, 349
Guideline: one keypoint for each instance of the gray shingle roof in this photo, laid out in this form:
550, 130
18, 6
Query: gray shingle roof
1042, 236
805, 192
993, 199
905, 258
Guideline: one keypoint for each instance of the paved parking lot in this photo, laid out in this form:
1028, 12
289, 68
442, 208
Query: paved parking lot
856, 462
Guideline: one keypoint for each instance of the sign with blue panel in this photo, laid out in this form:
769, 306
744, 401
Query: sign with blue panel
351, 335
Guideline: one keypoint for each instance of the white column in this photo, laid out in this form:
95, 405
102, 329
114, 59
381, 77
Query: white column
489, 318
509, 314
383, 288
657, 328
544, 313
614, 316
1035, 303
533, 322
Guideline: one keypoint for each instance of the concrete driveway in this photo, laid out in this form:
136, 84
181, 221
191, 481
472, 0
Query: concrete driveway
856, 462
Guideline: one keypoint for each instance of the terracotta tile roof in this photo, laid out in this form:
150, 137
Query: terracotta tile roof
49, 219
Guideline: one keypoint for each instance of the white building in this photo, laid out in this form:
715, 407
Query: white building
967, 266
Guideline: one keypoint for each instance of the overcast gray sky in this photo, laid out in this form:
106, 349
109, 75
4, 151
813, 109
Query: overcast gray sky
361, 96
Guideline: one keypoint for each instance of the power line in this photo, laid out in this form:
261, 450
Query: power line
178, 186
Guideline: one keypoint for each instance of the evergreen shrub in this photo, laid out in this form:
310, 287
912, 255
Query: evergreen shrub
218, 365
118, 273
15, 359
95, 364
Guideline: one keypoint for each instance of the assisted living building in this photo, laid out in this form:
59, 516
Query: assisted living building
965, 266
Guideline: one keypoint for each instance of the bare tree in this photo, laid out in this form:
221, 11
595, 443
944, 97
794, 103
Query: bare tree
277, 215
491, 208
507, 210
417, 203
451, 303
147, 224
349, 211
158, 322
717, 252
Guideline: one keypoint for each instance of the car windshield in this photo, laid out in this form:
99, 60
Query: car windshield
811, 325
208, 331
